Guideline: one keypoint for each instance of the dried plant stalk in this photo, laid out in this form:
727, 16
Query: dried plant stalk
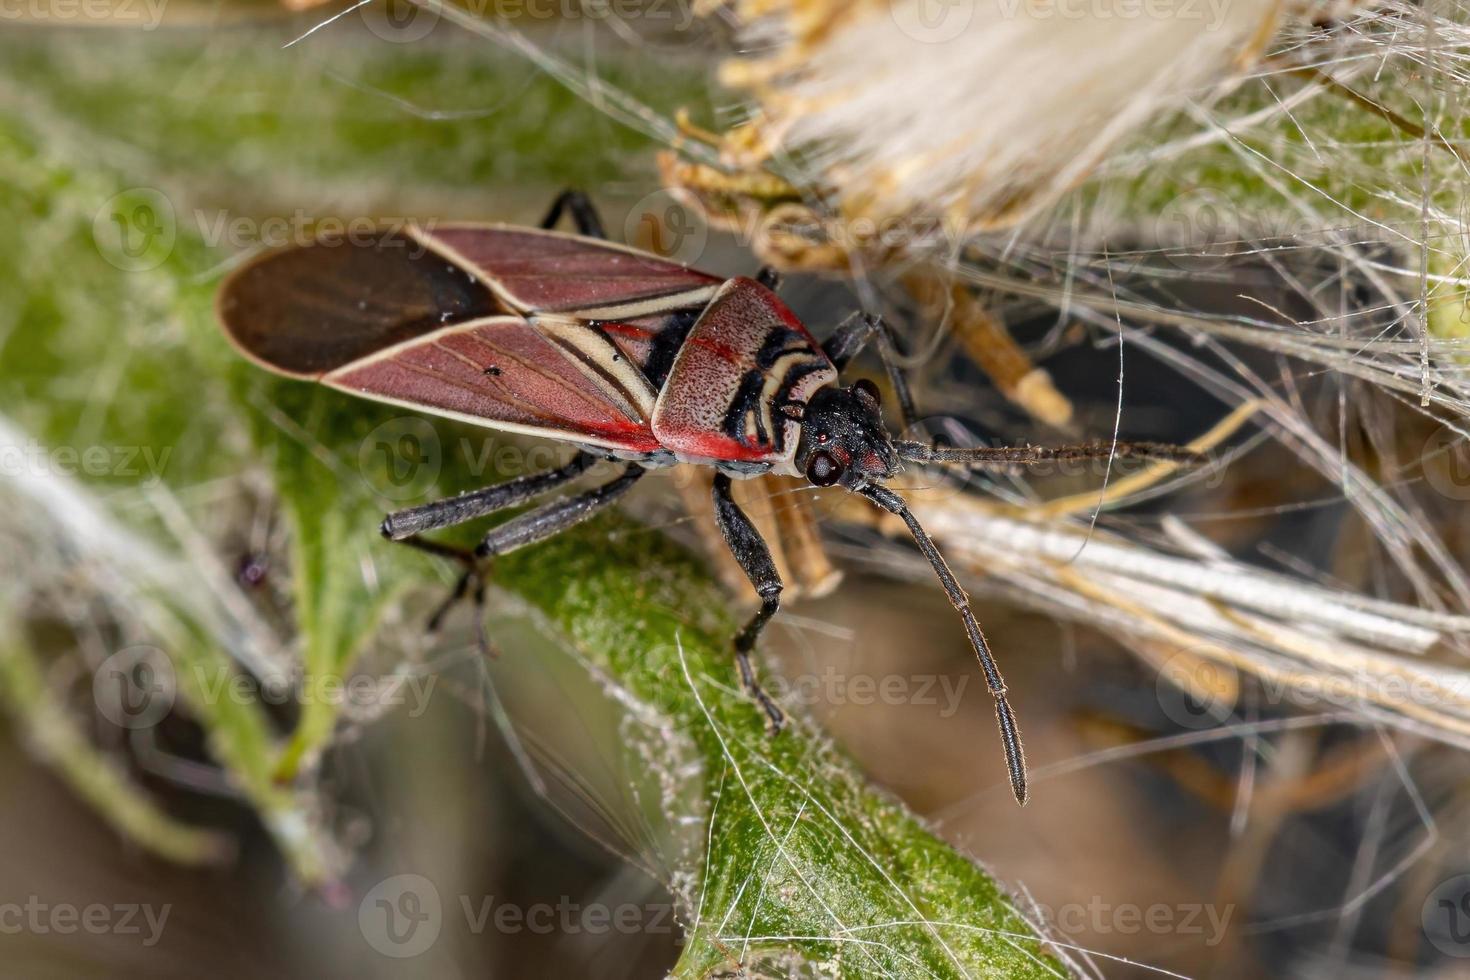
990, 345
1360, 655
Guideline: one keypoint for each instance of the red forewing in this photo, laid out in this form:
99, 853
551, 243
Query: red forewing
554, 378
305, 311
551, 272
740, 380
525, 330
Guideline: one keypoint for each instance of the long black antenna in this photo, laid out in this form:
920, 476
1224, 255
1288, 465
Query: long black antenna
1010, 736
1006, 457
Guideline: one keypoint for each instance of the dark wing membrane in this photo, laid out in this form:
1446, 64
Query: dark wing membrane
551, 272
556, 378
747, 367
309, 310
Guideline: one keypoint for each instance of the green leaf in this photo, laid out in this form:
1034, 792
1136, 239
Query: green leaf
803, 853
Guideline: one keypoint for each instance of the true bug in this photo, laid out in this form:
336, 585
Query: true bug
628, 356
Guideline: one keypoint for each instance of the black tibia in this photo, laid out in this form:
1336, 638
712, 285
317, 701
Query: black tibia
769, 277
556, 516
584, 213
478, 503
1010, 736
853, 334
471, 582
755, 558
1012, 456
528, 528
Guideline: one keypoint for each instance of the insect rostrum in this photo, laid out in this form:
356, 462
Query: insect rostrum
621, 353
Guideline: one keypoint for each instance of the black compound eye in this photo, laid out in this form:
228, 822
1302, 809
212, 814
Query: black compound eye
823, 469
865, 387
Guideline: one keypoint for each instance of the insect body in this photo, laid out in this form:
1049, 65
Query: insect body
624, 354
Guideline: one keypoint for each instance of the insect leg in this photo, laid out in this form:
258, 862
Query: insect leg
556, 516
769, 277
853, 334
468, 506
1010, 736
750, 551
473, 575
584, 213
526, 529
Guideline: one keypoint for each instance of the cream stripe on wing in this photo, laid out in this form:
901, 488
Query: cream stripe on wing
387, 353
599, 359
645, 307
